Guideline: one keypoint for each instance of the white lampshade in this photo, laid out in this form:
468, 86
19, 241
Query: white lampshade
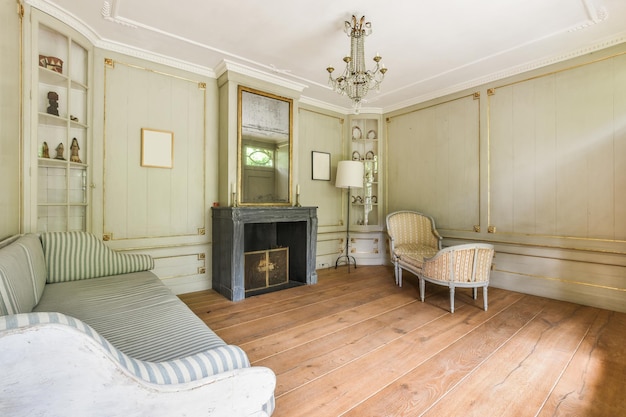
349, 174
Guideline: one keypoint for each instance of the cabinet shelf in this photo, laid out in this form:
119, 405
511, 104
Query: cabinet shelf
49, 77
364, 140
52, 162
63, 204
54, 120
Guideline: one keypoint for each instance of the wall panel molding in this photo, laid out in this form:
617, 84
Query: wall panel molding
144, 202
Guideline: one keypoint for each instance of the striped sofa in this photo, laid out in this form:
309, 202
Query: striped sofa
85, 330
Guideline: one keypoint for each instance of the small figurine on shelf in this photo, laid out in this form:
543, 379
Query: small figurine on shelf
45, 151
53, 100
74, 148
60, 149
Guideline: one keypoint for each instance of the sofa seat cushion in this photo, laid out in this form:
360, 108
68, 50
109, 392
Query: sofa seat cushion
414, 254
136, 312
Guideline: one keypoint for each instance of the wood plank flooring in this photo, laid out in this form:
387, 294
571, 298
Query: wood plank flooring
355, 344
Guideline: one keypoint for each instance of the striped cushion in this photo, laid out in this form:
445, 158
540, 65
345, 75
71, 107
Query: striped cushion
22, 275
72, 256
176, 371
136, 312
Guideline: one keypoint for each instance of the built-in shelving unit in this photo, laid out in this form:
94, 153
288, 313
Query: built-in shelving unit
60, 95
365, 147
366, 213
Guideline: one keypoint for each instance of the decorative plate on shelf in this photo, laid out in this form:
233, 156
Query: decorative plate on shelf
356, 156
369, 155
371, 134
356, 132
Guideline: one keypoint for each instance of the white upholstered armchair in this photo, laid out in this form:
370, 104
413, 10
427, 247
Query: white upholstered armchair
411, 234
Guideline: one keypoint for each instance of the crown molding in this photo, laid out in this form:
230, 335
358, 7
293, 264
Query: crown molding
510, 72
69, 19
230, 66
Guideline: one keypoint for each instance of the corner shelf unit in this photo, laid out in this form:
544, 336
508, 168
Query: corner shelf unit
61, 98
365, 146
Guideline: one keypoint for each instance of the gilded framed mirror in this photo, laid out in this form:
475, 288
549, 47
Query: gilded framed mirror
264, 154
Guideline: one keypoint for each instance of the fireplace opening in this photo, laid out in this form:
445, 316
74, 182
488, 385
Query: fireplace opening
275, 256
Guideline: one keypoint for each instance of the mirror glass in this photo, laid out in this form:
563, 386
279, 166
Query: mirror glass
265, 143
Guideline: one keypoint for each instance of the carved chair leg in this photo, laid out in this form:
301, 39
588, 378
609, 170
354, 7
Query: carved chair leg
399, 276
485, 297
422, 284
395, 271
451, 299
475, 292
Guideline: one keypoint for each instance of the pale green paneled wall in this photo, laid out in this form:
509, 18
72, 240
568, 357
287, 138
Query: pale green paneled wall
540, 159
434, 153
146, 201
322, 132
558, 154
162, 211
10, 102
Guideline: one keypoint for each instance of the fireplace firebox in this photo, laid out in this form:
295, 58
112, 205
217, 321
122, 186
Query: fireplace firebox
238, 231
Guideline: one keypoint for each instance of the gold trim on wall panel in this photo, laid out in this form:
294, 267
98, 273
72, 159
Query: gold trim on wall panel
415, 110
321, 113
547, 74
565, 281
538, 245
109, 64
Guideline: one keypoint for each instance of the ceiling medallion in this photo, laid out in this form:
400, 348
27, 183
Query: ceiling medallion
356, 80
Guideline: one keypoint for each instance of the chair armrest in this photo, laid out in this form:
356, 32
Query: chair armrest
56, 365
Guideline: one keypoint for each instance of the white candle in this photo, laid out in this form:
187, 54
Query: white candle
298, 189
232, 188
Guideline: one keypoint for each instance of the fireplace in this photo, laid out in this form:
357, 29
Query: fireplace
241, 231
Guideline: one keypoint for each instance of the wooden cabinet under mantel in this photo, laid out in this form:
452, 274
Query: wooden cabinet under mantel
237, 230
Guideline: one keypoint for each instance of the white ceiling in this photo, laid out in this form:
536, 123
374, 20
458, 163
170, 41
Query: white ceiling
431, 47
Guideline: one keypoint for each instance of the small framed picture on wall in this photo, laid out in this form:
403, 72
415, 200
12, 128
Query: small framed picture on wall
320, 162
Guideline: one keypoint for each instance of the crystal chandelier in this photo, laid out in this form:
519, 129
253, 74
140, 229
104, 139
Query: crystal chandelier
357, 80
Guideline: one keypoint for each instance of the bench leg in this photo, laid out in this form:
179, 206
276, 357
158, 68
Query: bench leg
422, 284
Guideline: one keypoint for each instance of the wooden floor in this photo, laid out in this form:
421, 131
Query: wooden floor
357, 345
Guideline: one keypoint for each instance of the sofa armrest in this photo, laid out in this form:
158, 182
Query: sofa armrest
54, 364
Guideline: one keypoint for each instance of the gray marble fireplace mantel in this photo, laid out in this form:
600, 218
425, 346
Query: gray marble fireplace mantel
237, 230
